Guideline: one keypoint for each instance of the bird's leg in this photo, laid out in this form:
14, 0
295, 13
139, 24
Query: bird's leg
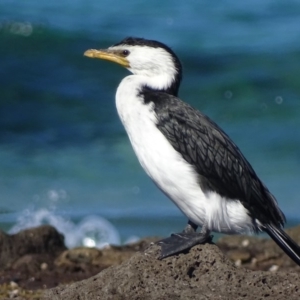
190, 228
182, 241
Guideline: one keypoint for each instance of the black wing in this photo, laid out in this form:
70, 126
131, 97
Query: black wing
221, 165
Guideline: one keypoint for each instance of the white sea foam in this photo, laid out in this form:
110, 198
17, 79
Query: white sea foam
92, 231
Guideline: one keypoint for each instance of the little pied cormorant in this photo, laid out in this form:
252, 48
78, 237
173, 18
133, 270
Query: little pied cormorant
187, 155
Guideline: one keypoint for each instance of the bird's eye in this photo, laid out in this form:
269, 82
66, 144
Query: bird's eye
125, 53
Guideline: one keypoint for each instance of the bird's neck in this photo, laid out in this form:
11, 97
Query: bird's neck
129, 101
161, 82
132, 87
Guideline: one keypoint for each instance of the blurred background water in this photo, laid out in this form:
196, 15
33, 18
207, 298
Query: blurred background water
65, 158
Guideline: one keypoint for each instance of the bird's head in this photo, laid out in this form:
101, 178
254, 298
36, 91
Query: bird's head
147, 58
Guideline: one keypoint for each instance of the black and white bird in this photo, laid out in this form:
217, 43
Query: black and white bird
187, 155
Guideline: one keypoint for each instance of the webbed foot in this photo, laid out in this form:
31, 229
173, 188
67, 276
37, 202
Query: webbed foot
183, 241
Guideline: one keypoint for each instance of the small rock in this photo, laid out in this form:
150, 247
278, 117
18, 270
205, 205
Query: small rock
13, 293
245, 243
44, 266
253, 261
238, 263
274, 268
13, 285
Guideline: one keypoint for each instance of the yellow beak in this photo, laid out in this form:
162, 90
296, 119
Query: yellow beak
107, 55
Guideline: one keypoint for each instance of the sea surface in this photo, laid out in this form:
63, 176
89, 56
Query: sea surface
65, 158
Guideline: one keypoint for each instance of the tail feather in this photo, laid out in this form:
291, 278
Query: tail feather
284, 242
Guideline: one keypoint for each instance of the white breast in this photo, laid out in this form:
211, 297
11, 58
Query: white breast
172, 174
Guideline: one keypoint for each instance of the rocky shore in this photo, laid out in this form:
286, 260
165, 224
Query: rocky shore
35, 264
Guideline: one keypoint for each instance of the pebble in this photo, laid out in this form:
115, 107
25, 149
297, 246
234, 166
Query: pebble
44, 266
238, 263
13, 293
245, 243
274, 268
13, 285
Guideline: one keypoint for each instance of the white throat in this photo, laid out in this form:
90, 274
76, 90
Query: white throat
128, 99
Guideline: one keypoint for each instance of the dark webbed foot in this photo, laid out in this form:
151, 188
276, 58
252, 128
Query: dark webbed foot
180, 242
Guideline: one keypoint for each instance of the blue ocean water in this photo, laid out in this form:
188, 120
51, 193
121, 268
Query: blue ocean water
65, 158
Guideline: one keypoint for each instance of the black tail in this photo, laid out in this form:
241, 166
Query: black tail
284, 242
